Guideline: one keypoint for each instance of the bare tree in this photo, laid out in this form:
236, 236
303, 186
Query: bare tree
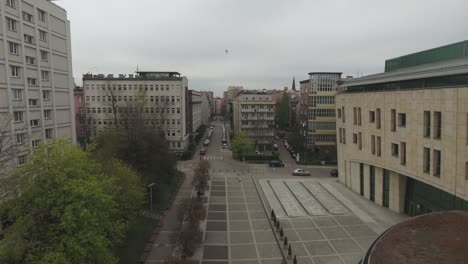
110, 96
7, 143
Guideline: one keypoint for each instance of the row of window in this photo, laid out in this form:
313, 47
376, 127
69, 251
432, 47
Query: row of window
313, 113
322, 125
130, 87
147, 110
13, 26
322, 138
18, 117
41, 14
255, 107
21, 138
255, 123
15, 49
130, 98
314, 100
18, 96
167, 133
156, 122
15, 72
257, 115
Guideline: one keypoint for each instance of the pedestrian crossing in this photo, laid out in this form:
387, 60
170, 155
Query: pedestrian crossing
212, 158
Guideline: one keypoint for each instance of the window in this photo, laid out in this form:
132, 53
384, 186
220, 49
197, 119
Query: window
466, 170
394, 150
427, 124
46, 95
354, 115
343, 114
45, 75
393, 120
354, 138
21, 160
437, 124
344, 136
12, 24
18, 116
36, 143
42, 15
359, 116
20, 138
32, 81
15, 71
30, 60
436, 157
401, 119
338, 112
13, 47
17, 94
11, 3
377, 124
403, 153
42, 35
373, 145
47, 114
34, 123
48, 133
28, 17
427, 160
28, 39
44, 55
379, 146
33, 102
371, 116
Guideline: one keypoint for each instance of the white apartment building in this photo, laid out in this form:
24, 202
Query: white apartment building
403, 134
36, 82
254, 114
165, 96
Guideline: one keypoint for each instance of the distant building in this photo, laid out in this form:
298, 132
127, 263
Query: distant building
80, 116
403, 134
254, 114
194, 111
166, 102
206, 107
36, 91
229, 95
294, 106
218, 105
318, 121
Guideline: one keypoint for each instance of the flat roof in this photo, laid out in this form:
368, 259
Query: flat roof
437, 69
310, 73
159, 72
305, 81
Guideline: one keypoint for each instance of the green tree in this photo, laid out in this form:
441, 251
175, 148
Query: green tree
282, 111
241, 145
201, 177
297, 141
68, 208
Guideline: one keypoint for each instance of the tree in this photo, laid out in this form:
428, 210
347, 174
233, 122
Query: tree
282, 111
68, 208
7, 144
297, 141
189, 236
241, 145
201, 177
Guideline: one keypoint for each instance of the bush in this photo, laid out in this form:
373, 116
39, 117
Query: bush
261, 157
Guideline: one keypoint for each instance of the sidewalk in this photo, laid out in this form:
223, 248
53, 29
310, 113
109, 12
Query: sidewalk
162, 247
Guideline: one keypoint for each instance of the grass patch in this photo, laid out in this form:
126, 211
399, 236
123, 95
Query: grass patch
138, 234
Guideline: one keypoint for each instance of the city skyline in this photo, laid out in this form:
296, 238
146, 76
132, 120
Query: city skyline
268, 42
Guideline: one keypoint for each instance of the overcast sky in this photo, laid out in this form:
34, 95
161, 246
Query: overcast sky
269, 41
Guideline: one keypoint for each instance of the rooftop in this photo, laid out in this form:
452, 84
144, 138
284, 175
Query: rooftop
314, 73
140, 75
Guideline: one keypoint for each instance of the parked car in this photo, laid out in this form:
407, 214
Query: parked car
225, 145
258, 152
334, 173
300, 172
276, 163
206, 143
202, 151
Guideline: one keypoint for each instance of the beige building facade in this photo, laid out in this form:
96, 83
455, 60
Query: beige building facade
165, 96
403, 137
318, 108
36, 76
254, 114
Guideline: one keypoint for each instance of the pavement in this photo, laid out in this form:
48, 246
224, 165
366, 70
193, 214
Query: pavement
324, 221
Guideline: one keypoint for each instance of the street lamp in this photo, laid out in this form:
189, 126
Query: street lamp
151, 194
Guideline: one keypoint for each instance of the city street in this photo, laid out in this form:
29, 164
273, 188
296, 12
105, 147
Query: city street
324, 221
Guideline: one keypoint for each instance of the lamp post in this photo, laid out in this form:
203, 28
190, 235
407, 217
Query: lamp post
151, 195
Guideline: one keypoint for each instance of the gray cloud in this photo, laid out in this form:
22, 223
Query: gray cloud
270, 41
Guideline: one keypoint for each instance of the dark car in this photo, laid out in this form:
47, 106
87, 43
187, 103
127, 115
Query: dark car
334, 173
202, 151
276, 163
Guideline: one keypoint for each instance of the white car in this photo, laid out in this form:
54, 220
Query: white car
300, 172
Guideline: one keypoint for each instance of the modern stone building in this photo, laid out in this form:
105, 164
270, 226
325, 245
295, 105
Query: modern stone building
194, 111
218, 105
403, 134
254, 114
36, 82
165, 96
318, 108
206, 107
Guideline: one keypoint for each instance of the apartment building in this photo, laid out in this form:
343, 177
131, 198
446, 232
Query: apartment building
36, 82
80, 116
219, 102
318, 108
194, 111
165, 102
403, 134
254, 114
206, 107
